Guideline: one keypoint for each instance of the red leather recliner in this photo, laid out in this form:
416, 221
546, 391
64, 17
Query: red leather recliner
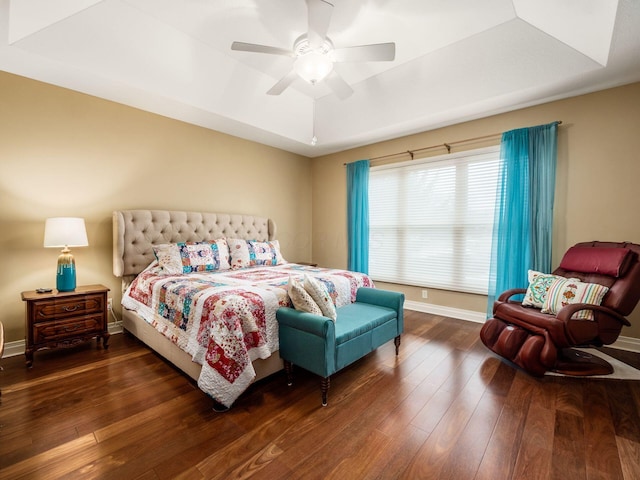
539, 342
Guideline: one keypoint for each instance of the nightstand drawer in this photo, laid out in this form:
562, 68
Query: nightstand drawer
67, 307
62, 329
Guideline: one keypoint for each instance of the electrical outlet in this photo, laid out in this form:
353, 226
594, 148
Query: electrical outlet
425, 294
110, 304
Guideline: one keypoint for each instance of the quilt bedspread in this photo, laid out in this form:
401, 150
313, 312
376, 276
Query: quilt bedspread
227, 319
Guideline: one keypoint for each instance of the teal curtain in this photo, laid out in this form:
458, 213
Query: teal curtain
522, 230
543, 148
358, 216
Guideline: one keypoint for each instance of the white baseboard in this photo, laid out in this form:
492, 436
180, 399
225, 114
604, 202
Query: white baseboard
13, 349
622, 343
470, 315
627, 343
115, 327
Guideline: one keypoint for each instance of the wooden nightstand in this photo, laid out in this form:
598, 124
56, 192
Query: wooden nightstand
64, 319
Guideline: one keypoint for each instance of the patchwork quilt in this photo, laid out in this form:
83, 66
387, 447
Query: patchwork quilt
227, 319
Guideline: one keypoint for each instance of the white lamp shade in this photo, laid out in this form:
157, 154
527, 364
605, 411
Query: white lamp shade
65, 232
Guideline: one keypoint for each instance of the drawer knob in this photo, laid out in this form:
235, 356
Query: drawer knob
71, 309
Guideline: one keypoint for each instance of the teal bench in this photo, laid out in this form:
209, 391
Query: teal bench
323, 347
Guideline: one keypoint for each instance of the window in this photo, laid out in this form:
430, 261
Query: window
431, 220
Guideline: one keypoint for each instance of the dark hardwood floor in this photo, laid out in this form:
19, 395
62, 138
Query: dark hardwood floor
446, 408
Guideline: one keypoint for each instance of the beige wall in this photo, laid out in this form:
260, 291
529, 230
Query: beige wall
598, 179
63, 153
67, 154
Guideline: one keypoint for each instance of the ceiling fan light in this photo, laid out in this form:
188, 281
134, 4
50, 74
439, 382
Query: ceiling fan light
313, 67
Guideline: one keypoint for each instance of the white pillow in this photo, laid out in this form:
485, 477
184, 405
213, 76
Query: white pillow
320, 294
301, 299
565, 291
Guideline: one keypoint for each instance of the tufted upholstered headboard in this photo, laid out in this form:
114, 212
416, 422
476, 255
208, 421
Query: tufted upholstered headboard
135, 232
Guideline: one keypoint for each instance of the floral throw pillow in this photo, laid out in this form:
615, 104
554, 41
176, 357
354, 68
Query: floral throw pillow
251, 253
189, 257
320, 294
539, 284
301, 299
265, 253
565, 291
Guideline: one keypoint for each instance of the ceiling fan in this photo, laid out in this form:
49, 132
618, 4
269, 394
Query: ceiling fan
315, 54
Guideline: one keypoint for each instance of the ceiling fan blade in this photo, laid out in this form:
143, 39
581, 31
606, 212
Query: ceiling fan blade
380, 52
319, 18
338, 85
283, 83
252, 47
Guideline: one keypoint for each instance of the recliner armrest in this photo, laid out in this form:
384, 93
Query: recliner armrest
507, 294
308, 322
570, 310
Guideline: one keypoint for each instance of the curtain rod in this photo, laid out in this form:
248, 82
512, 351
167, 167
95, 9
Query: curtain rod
439, 145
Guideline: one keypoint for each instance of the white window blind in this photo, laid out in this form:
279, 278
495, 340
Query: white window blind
431, 221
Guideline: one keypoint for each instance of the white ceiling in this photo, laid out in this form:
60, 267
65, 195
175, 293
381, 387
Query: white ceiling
455, 60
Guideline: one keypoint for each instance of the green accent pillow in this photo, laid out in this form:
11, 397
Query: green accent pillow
539, 284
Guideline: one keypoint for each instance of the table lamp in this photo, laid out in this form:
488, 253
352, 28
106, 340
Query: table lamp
65, 232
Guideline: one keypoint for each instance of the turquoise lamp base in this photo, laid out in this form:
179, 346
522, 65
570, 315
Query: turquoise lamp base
66, 277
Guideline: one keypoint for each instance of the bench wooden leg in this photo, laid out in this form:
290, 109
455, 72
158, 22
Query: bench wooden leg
397, 343
324, 388
288, 369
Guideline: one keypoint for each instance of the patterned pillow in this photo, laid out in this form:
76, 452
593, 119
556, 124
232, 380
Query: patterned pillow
565, 291
188, 257
301, 299
320, 295
538, 286
250, 253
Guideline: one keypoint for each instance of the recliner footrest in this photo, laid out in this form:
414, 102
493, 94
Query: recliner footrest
519, 346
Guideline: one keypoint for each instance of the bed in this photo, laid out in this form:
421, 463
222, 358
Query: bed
215, 323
